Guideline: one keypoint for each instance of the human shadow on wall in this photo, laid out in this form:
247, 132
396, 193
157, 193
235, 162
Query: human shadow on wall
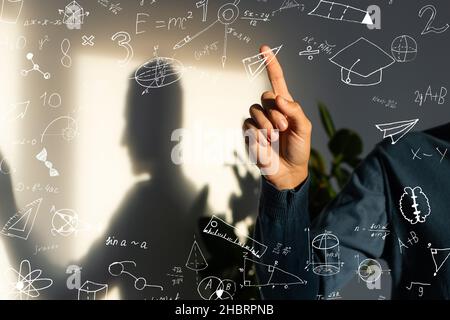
162, 211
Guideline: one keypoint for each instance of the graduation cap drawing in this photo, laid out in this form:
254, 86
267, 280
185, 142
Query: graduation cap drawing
362, 63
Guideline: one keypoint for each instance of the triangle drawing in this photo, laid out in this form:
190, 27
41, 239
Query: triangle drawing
196, 261
440, 255
367, 19
396, 130
255, 65
21, 223
288, 4
270, 275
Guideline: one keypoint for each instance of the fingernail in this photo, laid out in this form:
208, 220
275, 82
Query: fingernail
282, 124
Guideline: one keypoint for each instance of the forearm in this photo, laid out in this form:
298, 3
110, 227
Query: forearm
283, 218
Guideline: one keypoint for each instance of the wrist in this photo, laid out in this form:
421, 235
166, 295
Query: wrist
290, 180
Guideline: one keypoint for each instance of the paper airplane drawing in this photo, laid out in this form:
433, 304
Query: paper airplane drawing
21, 224
288, 4
396, 130
440, 256
341, 12
255, 65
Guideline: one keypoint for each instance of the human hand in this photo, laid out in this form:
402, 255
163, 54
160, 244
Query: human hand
278, 110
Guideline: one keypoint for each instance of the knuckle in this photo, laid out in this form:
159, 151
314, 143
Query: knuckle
266, 124
253, 109
267, 95
308, 125
247, 123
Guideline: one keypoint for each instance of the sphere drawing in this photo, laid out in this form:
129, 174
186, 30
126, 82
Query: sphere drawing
64, 222
158, 72
404, 49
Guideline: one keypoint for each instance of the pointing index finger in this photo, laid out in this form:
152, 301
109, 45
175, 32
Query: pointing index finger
275, 73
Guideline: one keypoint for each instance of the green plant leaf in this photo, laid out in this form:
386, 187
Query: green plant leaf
342, 176
346, 145
354, 162
326, 119
317, 163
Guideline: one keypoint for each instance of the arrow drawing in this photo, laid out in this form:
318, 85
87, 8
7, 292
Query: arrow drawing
17, 111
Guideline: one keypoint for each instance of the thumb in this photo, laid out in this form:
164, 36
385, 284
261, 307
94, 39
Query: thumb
297, 120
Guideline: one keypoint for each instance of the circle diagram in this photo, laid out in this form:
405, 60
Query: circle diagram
228, 13
158, 72
369, 270
64, 222
404, 49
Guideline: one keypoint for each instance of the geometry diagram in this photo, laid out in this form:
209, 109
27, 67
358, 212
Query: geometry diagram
270, 275
42, 156
73, 15
158, 72
396, 130
440, 256
21, 224
362, 63
93, 291
404, 49
28, 282
196, 260
65, 127
255, 65
10, 10
341, 12
213, 288
414, 205
226, 15
219, 228
327, 252
64, 222
118, 268
35, 67
369, 270
289, 4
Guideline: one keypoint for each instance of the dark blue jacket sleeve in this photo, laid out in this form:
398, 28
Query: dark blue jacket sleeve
338, 233
283, 219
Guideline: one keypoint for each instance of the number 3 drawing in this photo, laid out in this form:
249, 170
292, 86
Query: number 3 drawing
123, 40
428, 27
